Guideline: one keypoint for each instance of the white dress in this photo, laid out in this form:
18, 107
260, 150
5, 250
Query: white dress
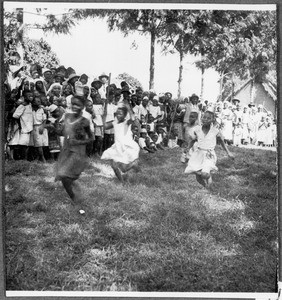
204, 157
125, 149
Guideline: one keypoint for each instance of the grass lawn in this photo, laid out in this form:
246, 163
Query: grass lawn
160, 232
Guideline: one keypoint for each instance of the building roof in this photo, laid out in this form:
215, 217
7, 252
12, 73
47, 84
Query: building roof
268, 86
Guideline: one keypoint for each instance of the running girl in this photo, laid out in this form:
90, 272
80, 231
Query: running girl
73, 159
124, 153
203, 160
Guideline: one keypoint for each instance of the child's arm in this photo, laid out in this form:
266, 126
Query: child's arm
108, 125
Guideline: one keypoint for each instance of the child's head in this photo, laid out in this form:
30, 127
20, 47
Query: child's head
86, 90
153, 136
39, 85
208, 118
145, 101
55, 89
134, 129
150, 118
138, 100
77, 104
155, 101
97, 99
193, 117
143, 133
89, 106
28, 96
142, 119
67, 90
36, 102
121, 113
44, 100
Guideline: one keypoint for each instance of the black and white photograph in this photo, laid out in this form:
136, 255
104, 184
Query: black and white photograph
140, 148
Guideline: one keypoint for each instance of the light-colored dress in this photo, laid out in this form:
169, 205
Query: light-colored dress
204, 157
125, 149
22, 136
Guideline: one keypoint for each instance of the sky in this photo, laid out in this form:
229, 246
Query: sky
93, 50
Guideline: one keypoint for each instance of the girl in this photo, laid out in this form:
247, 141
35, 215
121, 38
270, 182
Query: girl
39, 134
203, 159
124, 153
73, 159
25, 116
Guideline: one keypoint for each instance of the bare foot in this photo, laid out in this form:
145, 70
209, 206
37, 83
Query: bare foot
200, 179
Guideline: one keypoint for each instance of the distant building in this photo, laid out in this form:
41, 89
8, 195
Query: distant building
264, 93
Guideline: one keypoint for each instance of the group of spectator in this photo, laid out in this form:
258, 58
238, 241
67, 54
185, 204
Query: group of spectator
37, 99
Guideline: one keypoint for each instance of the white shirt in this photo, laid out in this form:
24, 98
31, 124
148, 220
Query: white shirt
24, 113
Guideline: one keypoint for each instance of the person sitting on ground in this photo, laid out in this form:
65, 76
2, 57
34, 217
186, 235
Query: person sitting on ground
143, 141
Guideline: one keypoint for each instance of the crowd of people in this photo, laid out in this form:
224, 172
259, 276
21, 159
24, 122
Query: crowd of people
39, 98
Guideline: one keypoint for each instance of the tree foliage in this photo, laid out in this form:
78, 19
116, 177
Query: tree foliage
20, 50
130, 80
39, 51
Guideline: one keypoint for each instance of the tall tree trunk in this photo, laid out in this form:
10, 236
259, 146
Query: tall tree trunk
202, 76
152, 60
180, 78
220, 98
232, 87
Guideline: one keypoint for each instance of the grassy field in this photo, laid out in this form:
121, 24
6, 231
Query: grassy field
161, 231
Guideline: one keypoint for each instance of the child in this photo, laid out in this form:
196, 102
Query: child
24, 114
261, 132
190, 126
151, 123
89, 114
237, 134
143, 141
73, 159
203, 159
39, 134
124, 153
53, 126
98, 111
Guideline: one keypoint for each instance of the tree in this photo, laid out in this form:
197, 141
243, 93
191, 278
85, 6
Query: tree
237, 48
130, 80
20, 50
172, 38
148, 21
39, 51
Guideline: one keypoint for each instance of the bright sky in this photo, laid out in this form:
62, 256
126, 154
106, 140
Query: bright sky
92, 49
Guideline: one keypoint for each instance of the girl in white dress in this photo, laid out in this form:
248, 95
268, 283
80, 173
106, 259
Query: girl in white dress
124, 153
203, 159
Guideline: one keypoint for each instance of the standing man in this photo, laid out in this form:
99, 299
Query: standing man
103, 90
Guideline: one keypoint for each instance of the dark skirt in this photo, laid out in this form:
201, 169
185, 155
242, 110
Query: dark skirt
70, 164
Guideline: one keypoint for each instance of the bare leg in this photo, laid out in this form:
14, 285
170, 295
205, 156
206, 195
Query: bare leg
73, 189
209, 182
134, 165
208, 179
200, 179
117, 171
41, 154
10, 152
